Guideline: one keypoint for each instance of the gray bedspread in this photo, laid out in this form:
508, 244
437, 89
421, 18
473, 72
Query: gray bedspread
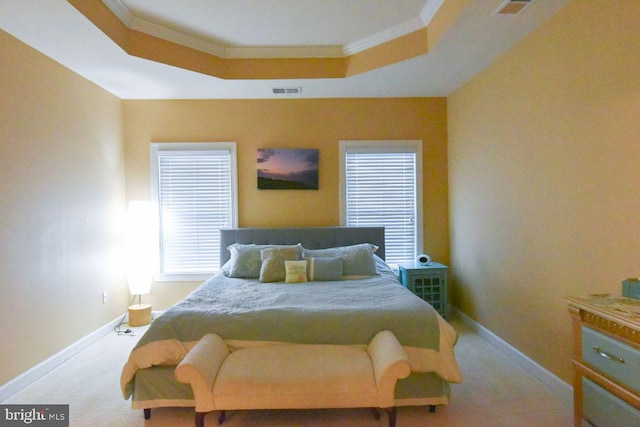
342, 312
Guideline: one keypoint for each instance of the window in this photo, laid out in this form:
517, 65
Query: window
194, 190
381, 185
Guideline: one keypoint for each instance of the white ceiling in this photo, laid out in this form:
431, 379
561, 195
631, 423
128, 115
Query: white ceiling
250, 27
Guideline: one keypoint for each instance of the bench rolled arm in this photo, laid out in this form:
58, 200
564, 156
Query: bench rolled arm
390, 363
200, 367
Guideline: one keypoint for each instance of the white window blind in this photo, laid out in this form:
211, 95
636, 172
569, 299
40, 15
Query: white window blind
195, 199
381, 188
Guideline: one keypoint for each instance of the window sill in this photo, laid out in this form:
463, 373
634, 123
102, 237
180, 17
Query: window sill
182, 277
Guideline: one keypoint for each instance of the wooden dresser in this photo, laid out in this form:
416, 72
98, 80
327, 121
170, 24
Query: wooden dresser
606, 361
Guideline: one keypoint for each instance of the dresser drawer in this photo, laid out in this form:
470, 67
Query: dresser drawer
613, 358
603, 409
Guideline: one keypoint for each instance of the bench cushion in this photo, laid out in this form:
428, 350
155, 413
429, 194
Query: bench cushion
278, 376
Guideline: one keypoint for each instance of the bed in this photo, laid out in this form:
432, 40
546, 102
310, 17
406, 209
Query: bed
353, 295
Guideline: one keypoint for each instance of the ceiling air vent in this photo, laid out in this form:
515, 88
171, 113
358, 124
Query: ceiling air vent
287, 90
512, 7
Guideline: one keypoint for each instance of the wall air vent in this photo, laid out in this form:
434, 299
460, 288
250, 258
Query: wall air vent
512, 7
287, 90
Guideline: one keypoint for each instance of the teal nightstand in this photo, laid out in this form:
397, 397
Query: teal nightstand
428, 282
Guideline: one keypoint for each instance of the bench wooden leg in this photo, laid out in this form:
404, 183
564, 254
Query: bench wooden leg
432, 408
376, 413
391, 412
200, 419
147, 413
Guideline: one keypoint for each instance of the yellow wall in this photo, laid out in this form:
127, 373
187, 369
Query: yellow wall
61, 202
544, 177
302, 123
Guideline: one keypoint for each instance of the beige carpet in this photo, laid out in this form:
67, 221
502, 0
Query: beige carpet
495, 393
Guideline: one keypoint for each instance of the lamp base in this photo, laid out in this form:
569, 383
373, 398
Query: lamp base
139, 314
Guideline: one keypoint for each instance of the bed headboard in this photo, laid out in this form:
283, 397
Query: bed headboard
310, 237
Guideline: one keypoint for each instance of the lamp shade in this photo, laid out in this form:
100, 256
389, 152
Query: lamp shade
138, 247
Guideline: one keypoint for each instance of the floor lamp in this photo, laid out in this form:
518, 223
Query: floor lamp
138, 259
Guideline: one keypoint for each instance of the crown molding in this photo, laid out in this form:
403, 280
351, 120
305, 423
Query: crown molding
178, 37
284, 52
121, 11
429, 10
127, 18
426, 15
384, 36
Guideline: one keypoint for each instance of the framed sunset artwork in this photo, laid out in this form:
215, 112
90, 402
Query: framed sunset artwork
287, 169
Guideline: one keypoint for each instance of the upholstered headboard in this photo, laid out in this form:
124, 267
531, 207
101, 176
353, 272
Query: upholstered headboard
310, 237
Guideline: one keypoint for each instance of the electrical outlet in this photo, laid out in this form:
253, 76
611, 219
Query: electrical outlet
105, 297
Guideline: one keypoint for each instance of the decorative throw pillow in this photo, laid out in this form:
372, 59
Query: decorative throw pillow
357, 260
296, 271
245, 260
272, 268
326, 269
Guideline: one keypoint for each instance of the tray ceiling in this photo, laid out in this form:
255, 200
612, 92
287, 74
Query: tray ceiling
139, 49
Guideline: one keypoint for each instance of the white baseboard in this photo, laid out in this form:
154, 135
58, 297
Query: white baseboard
21, 381
30, 376
525, 362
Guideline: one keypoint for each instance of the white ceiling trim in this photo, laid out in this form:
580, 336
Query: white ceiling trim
123, 13
120, 10
385, 36
235, 52
426, 15
429, 10
178, 37
284, 52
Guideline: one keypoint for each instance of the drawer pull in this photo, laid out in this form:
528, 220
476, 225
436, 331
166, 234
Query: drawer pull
608, 355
